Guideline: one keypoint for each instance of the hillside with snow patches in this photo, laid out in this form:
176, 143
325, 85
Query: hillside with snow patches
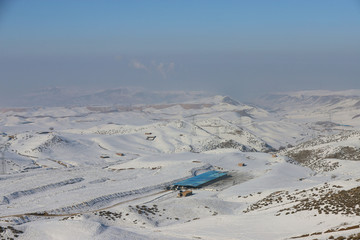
104, 171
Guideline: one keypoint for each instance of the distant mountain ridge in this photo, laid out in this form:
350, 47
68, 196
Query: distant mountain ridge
313, 97
60, 97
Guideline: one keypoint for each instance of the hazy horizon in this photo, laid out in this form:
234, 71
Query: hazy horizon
242, 49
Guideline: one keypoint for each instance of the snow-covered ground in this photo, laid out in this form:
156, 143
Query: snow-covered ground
102, 172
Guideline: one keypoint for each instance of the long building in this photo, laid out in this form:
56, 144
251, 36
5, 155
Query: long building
201, 179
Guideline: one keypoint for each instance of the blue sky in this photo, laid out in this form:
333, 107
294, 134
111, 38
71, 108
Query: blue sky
241, 48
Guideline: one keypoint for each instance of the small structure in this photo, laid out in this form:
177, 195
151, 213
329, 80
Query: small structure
45, 132
185, 193
150, 138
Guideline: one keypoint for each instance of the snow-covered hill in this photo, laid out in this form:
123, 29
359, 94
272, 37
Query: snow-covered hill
314, 153
339, 107
102, 171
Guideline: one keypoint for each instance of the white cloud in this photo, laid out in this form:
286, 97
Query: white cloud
160, 67
165, 68
138, 65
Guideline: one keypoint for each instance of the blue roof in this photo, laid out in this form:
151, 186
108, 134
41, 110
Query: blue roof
200, 179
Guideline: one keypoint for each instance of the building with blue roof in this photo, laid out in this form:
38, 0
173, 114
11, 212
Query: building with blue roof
201, 179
